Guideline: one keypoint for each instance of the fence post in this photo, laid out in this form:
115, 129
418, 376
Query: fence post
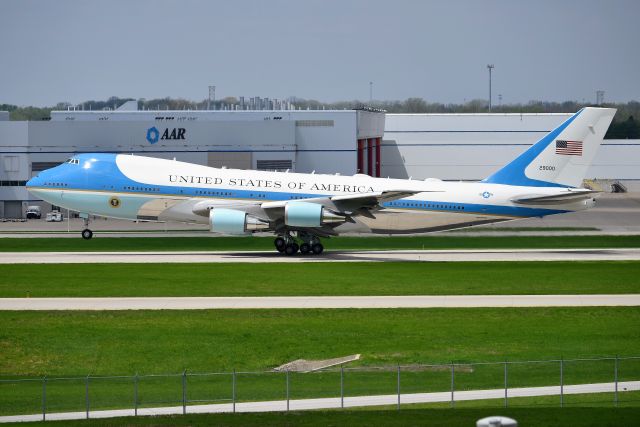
184, 392
342, 387
287, 389
135, 395
452, 384
506, 376
233, 390
398, 387
44, 398
615, 376
86, 394
561, 382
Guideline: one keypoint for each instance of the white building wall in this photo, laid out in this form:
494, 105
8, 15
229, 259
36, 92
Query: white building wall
473, 146
318, 146
617, 159
326, 149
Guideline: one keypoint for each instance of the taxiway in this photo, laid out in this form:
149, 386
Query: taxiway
612, 254
309, 302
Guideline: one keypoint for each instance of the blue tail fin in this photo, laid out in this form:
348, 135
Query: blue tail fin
561, 158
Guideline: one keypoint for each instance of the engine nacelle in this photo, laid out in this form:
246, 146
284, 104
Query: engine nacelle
305, 214
231, 221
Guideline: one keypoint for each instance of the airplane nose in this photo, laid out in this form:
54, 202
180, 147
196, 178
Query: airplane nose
33, 182
38, 180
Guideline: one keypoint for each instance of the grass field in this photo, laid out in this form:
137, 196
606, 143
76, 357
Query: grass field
107, 343
155, 342
76, 344
103, 280
439, 241
540, 416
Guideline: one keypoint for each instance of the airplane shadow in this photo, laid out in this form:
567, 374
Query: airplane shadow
325, 257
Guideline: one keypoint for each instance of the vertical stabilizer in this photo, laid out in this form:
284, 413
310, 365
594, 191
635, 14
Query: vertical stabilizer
561, 158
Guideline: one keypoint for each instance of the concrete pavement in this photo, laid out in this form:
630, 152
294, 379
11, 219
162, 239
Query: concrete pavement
326, 302
336, 402
609, 254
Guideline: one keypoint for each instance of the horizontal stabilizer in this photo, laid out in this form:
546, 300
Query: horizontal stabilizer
553, 199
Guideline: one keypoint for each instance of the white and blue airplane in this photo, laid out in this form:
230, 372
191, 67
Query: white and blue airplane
302, 208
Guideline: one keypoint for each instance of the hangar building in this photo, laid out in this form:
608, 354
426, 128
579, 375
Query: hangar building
336, 141
473, 146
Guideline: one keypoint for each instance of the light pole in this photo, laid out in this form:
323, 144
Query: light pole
490, 67
212, 95
370, 92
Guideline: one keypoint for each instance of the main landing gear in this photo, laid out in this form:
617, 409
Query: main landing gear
86, 233
287, 244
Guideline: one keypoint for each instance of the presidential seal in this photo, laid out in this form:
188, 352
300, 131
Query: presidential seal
114, 202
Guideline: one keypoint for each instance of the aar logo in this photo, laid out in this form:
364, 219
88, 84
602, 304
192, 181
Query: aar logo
153, 134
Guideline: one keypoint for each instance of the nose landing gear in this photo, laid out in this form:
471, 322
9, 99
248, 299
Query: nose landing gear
86, 233
287, 244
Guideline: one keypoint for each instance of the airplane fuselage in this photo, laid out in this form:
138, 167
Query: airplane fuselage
143, 188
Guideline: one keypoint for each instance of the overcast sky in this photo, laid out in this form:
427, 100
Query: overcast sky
52, 51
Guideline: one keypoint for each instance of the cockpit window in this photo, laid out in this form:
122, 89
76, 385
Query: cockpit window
73, 161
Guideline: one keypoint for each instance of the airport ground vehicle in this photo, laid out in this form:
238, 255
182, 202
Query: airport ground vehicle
54, 216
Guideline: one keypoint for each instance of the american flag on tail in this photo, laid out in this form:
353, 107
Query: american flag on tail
569, 148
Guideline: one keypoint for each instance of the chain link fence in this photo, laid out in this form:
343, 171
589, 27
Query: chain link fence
599, 381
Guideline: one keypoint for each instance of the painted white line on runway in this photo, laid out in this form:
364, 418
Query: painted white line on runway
605, 254
318, 302
335, 402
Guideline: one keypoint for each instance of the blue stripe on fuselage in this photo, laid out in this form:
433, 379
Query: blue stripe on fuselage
99, 172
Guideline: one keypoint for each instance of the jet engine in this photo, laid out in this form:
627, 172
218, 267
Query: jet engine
305, 214
231, 221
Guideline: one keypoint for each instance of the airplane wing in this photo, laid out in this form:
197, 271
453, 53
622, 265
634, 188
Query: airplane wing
329, 211
349, 204
202, 207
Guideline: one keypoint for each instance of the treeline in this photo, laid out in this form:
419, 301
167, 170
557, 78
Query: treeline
625, 124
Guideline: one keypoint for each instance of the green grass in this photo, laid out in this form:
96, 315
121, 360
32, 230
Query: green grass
77, 344
393, 278
626, 399
541, 416
124, 342
441, 241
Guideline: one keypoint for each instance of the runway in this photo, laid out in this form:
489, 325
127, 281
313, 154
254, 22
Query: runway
611, 254
327, 302
338, 402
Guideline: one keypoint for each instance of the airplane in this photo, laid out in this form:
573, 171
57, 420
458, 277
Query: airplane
302, 208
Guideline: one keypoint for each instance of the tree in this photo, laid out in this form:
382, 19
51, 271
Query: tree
415, 105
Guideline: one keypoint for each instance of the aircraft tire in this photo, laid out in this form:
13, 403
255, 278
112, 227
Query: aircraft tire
305, 248
291, 249
317, 248
87, 234
280, 244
